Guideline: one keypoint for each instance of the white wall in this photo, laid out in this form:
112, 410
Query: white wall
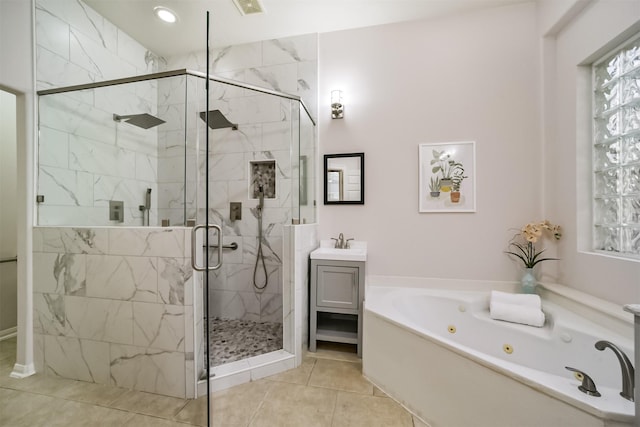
468, 77
8, 219
599, 27
553, 15
16, 76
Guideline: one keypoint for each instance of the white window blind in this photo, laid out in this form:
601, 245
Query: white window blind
616, 151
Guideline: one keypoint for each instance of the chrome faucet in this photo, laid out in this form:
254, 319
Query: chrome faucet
339, 241
628, 373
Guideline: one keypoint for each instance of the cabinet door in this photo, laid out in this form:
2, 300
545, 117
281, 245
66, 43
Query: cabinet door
337, 287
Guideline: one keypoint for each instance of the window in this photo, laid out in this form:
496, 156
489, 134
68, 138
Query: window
616, 151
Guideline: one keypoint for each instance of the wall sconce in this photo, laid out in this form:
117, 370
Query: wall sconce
337, 109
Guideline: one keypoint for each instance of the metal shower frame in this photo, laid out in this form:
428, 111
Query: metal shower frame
176, 73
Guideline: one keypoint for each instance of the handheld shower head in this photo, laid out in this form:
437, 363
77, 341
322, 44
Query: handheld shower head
260, 197
147, 199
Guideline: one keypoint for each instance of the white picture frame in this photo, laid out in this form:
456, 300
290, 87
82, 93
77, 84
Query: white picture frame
440, 161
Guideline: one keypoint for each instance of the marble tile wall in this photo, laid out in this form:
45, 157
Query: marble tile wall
172, 149
264, 133
115, 306
231, 151
85, 157
303, 239
75, 45
288, 65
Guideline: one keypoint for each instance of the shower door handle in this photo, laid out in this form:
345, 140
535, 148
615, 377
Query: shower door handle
194, 247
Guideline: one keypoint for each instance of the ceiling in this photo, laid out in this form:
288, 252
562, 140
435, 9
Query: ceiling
282, 18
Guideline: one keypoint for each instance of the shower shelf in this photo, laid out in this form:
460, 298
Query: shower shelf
337, 327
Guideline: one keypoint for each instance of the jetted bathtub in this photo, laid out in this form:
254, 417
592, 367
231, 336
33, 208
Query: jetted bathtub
440, 354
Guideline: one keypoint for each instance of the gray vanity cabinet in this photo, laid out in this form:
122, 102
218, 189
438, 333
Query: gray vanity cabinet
335, 302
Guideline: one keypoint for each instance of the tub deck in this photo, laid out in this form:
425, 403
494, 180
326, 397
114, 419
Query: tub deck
466, 378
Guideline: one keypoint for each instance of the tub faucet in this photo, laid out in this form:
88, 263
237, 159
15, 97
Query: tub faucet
628, 373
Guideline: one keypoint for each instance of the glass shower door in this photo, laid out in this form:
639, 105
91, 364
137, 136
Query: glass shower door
207, 233
248, 155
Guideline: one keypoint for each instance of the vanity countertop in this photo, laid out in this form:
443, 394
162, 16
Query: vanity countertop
357, 251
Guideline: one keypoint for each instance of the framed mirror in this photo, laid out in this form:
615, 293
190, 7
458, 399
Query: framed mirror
344, 179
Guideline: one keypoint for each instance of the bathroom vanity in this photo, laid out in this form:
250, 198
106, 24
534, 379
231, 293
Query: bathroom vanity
337, 294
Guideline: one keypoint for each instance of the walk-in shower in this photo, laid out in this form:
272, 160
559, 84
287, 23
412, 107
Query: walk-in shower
154, 146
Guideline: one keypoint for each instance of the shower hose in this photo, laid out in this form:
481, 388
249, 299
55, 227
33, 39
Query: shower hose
260, 256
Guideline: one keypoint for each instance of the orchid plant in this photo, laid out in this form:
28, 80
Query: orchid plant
526, 251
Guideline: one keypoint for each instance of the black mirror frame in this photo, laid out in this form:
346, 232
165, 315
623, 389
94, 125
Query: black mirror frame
344, 202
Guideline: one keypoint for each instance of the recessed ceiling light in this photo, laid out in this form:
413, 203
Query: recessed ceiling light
165, 14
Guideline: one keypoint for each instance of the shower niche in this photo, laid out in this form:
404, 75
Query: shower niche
263, 176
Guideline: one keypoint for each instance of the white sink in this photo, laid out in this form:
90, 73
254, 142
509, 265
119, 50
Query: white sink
357, 252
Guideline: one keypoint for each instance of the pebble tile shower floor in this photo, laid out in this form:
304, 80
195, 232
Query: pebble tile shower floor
233, 339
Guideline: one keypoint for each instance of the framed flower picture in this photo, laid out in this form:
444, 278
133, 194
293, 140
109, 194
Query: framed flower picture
447, 177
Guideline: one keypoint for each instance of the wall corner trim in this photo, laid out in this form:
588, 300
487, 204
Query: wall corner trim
574, 10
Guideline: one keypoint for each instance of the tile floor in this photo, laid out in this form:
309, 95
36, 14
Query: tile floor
326, 390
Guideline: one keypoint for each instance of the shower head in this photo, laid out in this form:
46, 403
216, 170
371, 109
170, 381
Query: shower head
144, 120
217, 120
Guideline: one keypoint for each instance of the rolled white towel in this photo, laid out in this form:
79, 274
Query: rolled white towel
528, 300
516, 313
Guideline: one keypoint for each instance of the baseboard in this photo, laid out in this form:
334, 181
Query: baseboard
22, 371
